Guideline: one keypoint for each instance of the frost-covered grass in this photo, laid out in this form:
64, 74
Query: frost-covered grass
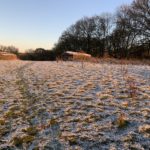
68, 105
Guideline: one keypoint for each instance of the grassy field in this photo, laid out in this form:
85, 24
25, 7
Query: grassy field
74, 106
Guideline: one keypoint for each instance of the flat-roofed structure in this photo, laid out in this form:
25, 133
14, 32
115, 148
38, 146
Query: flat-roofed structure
70, 55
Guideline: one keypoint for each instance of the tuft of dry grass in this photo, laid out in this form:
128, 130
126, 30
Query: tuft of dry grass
30, 131
122, 121
18, 141
132, 88
2, 121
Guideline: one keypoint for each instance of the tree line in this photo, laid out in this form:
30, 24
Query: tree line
39, 54
122, 35
9, 49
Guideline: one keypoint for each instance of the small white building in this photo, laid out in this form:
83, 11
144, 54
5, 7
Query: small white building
70, 55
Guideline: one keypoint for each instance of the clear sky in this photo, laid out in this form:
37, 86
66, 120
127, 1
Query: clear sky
39, 23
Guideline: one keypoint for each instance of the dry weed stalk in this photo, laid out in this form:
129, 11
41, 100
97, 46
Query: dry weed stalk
59, 59
132, 88
122, 120
124, 69
130, 83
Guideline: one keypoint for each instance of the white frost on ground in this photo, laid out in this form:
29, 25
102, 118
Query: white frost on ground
70, 105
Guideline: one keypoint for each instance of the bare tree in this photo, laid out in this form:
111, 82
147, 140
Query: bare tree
9, 49
120, 35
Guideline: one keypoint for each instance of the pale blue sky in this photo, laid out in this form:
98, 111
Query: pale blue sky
39, 23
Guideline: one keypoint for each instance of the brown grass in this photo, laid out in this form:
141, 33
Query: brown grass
8, 56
